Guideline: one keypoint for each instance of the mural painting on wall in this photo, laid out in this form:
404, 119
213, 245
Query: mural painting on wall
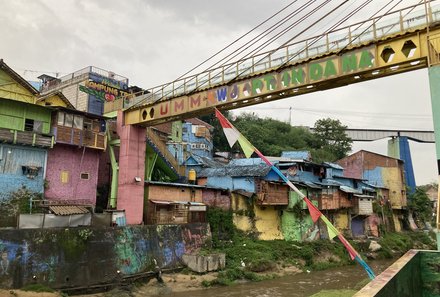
132, 250
12, 259
171, 244
195, 237
103, 88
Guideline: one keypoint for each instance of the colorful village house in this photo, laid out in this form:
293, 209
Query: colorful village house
263, 204
297, 166
323, 185
383, 172
73, 163
174, 203
355, 215
248, 179
25, 134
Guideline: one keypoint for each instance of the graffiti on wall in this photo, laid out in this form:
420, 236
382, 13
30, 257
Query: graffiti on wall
195, 237
132, 251
81, 256
12, 260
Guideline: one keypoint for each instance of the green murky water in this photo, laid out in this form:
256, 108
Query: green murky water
299, 285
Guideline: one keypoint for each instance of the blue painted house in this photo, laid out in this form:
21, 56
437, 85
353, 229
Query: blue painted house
191, 137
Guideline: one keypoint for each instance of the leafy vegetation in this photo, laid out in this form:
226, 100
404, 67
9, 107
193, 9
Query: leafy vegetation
328, 143
331, 138
420, 205
395, 244
37, 288
222, 226
248, 258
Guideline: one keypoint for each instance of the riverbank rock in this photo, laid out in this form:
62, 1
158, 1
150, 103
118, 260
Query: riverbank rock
374, 246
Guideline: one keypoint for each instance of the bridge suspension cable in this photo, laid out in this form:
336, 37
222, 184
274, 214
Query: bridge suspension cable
264, 34
270, 41
161, 92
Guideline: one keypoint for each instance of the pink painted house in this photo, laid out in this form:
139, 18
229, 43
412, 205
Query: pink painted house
73, 163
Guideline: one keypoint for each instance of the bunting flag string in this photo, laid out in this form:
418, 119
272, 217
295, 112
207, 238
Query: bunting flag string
233, 135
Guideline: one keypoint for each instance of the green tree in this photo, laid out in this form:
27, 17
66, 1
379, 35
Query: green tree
420, 205
330, 137
271, 136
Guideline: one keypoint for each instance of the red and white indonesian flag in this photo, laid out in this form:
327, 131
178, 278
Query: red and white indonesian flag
232, 135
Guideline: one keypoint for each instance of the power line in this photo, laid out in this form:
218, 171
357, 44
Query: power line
342, 112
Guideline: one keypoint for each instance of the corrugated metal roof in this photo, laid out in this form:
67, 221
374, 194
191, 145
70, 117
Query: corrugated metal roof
66, 210
205, 161
243, 193
311, 185
347, 189
173, 184
245, 162
303, 155
363, 196
333, 165
166, 202
197, 121
255, 170
329, 182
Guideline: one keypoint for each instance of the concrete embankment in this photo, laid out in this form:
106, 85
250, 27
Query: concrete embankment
86, 257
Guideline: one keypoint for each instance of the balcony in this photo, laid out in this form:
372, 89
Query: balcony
80, 138
26, 138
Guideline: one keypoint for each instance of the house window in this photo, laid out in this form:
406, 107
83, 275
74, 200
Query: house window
78, 122
30, 171
28, 125
85, 175
87, 124
33, 125
68, 120
60, 119
64, 176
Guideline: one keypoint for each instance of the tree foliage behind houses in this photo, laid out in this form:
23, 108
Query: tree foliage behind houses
271, 137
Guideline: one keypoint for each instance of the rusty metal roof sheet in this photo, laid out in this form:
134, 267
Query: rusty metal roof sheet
65, 210
236, 171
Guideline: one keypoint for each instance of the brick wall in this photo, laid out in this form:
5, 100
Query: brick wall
216, 198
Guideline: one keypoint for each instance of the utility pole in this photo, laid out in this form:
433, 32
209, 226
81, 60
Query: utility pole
290, 116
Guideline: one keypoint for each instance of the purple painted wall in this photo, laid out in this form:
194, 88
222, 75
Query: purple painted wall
65, 164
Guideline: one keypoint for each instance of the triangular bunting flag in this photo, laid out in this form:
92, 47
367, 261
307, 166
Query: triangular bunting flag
231, 133
246, 146
314, 212
332, 231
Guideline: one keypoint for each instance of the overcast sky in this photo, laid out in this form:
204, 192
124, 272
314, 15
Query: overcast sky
155, 41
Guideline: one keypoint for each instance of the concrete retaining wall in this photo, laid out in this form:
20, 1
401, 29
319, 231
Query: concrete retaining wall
204, 263
81, 257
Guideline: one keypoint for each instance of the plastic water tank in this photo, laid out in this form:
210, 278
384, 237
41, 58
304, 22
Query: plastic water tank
192, 176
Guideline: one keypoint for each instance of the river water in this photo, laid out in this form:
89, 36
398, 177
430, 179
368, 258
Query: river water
298, 285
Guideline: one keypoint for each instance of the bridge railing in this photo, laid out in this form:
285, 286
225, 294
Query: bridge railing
396, 22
